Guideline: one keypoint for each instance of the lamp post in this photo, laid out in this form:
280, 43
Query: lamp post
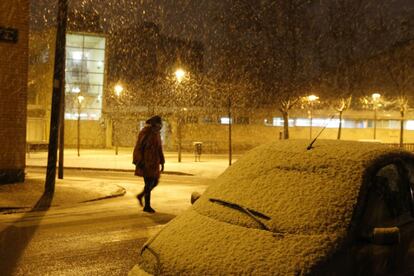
230, 122
179, 76
311, 99
118, 91
80, 99
375, 103
58, 91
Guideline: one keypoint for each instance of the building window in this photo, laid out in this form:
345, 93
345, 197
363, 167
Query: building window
208, 120
191, 119
409, 124
242, 120
85, 69
225, 120
277, 121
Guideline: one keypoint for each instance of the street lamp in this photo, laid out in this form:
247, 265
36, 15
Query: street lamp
118, 91
179, 74
375, 103
311, 99
80, 100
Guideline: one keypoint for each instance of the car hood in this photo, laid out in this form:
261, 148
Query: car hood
193, 244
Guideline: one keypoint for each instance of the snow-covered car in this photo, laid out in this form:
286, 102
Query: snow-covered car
339, 208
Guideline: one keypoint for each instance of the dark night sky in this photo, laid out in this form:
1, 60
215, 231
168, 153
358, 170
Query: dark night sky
186, 19
191, 19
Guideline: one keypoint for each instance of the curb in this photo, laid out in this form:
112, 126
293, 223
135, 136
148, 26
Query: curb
25, 209
108, 169
120, 192
10, 210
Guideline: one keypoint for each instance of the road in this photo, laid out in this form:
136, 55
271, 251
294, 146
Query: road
96, 238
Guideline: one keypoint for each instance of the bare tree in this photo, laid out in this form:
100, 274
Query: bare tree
288, 68
400, 71
342, 104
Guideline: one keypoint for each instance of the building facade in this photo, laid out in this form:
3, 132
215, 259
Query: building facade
140, 58
14, 29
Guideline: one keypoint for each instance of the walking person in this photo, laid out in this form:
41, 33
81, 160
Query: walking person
149, 159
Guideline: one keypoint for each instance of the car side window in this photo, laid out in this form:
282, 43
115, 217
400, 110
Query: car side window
392, 187
389, 202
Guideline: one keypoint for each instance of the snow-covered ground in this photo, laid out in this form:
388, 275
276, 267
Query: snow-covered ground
210, 165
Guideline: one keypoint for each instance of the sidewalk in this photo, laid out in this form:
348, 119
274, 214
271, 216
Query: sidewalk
68, 191
211, 165
73, 190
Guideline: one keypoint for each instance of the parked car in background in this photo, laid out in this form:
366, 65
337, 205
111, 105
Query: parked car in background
339, 208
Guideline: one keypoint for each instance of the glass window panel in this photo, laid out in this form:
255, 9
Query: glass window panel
394, 124
74, 88
95, 55
95, 78
277, 121
95, 89
95, 42
334, 123
85, 67
74, 53
73, 40
409, 124
302, 122
318, 122
225, 120
95, 66
349, 124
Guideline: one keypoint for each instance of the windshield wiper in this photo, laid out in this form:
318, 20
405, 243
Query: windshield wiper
152, 251
251, 213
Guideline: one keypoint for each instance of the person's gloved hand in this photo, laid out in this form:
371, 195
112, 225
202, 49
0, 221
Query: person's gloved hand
162, 167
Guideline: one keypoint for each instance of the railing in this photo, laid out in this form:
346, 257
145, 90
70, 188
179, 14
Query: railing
406, 146
36, 146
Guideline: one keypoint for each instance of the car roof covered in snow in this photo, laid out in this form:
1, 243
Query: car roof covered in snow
309, 196
303, 191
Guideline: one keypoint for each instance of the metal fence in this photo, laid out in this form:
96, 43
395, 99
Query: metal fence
406, 146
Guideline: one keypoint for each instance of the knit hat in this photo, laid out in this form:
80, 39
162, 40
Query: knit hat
154, 120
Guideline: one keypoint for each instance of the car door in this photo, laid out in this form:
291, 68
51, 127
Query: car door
386, 230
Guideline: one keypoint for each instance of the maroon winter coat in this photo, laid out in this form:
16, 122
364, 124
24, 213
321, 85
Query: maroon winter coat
148, 149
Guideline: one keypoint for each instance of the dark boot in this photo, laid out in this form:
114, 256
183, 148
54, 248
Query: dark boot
139, 197
149, 210
147, 207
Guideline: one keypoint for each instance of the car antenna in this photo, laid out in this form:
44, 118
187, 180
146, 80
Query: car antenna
314, 140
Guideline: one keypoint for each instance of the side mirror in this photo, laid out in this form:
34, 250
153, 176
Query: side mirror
385, 236
194, 197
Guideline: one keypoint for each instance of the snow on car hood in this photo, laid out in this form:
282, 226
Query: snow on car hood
310, 197
193, 244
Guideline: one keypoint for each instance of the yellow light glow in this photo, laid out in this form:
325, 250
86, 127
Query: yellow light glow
179, 74
75, 90
77, 55
118, 89
376, 96
312, 98
81, 98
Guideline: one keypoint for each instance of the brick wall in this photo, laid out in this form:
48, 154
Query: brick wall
13, 91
